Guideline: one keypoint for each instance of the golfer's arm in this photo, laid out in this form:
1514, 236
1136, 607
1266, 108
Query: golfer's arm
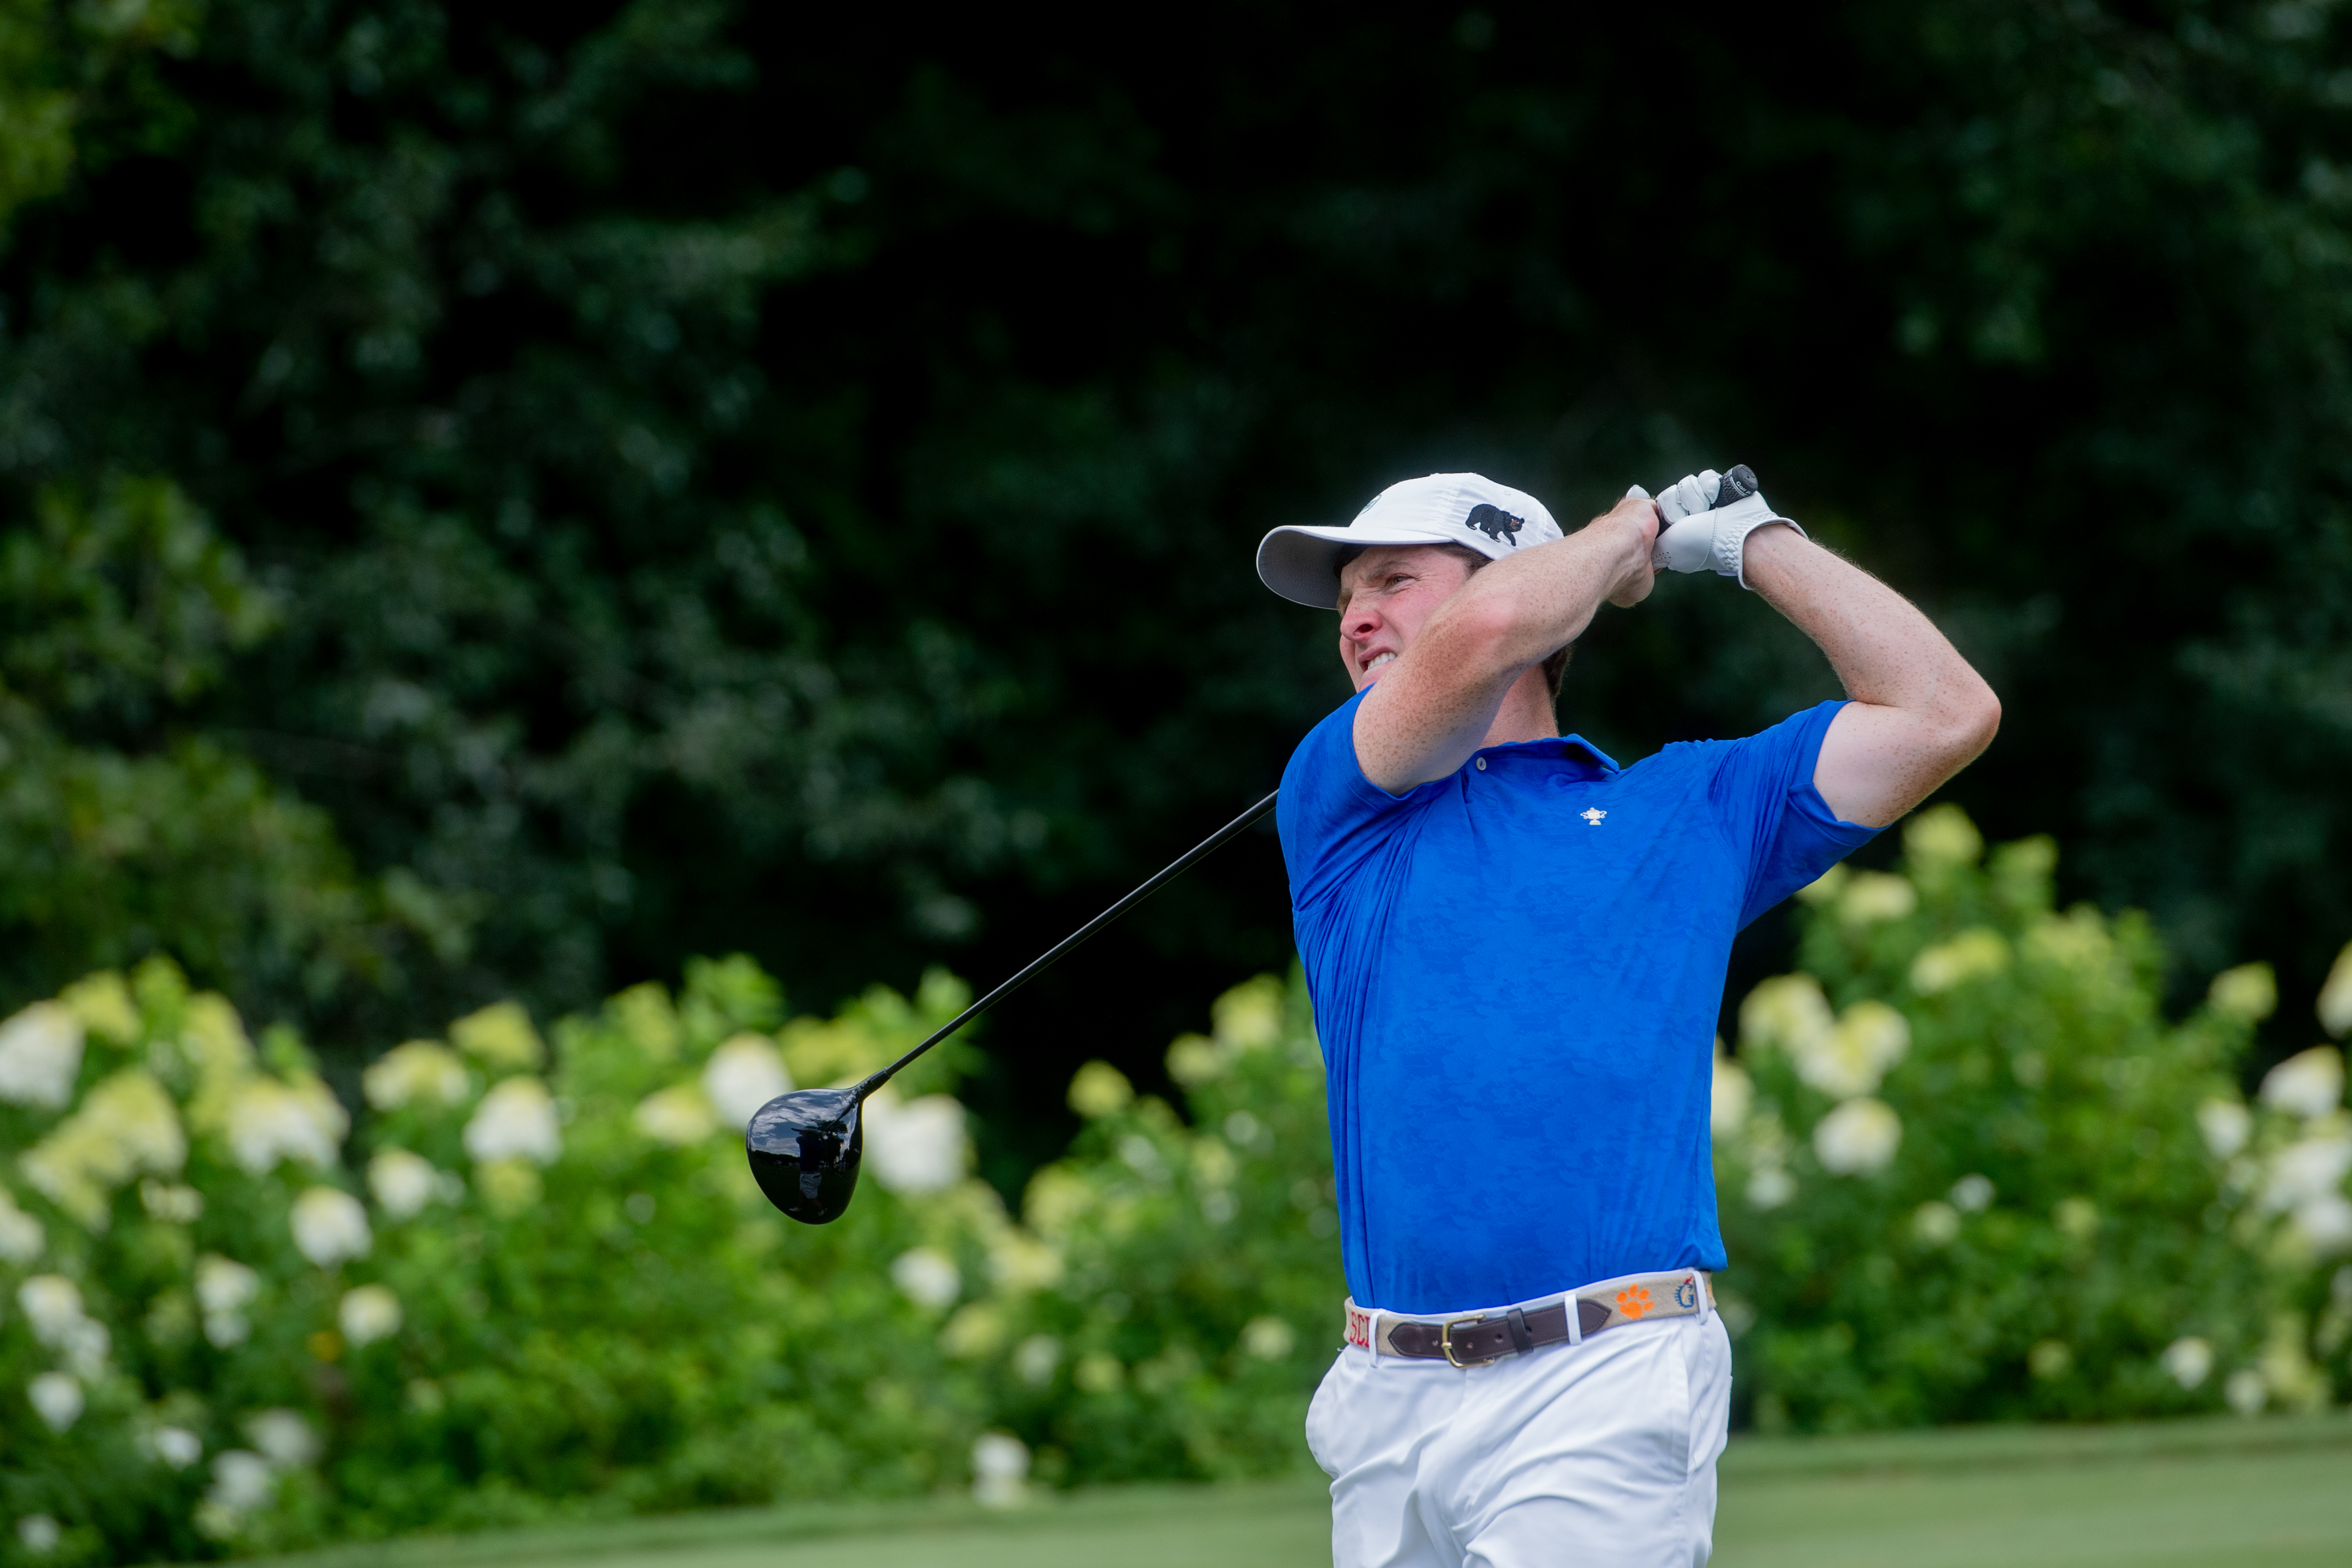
1433, 706
1919, 713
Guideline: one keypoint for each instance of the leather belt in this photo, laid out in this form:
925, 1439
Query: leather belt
1475, 1338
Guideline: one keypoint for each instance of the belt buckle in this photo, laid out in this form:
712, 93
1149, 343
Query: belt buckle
1445, 1341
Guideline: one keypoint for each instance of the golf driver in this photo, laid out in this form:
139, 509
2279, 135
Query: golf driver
805, 1146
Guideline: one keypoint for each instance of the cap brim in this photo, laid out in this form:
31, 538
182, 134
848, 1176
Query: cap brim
1302, 563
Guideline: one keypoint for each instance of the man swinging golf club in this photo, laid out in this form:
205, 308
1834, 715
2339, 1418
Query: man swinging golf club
1516, 951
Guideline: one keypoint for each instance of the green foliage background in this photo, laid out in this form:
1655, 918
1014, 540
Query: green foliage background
501, 498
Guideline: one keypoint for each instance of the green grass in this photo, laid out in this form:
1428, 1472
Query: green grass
2213, 1493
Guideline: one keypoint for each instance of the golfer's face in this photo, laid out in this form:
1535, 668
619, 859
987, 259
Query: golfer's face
1386, 596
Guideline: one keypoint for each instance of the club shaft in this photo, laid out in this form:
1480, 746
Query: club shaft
1184, 862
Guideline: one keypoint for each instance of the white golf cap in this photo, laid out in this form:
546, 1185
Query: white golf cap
1302, 563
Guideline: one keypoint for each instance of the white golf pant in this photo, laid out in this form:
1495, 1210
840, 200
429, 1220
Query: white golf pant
1601, 1453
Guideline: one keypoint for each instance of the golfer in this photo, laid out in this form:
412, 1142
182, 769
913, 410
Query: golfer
1516, 951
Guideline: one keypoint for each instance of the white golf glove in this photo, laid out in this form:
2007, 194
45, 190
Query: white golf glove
1706, 518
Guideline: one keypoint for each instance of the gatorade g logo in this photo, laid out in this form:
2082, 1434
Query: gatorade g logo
1495, 523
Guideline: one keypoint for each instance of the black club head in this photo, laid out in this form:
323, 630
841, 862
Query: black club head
805, 1148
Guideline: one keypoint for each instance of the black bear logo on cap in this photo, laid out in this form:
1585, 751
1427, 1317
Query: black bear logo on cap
1494, 522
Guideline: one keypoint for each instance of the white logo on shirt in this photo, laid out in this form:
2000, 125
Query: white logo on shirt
1592, 814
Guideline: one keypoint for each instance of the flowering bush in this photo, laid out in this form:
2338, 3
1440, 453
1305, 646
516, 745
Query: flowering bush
1175, 1296
1969, 1172
540, 1278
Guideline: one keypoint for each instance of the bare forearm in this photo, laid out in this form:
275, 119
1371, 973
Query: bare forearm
1882, 647
1436, 704
1925, 713
1527, 606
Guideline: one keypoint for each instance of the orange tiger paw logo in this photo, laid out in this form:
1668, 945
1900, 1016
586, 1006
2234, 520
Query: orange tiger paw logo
1634, 1302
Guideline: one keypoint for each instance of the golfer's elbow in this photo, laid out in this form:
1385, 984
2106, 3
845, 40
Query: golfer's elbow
1965, 723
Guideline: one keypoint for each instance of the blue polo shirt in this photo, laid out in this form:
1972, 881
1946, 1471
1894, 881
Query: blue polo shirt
1517, 972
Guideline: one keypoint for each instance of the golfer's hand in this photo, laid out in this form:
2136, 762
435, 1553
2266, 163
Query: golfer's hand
1709, 516
1638, 514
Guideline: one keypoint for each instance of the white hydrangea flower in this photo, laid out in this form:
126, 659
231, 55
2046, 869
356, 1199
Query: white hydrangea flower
678, 1116
2079, 943
2075, 1216
2248, 993
171, 1202
127, 1124
1857, 1051
420, 1071
1859, 1138
2308, 1084
53, 1309
1000, 1470
1975, 953
742, 1075
1729, 1096
22, 1237
369, 1313
50, 1306
284, 1438
2324, 1224
928, 1275
501, 1037
138, 1113
224, 1289
516, 1121
1972, 1194
402, 1183
2306, 1170
176, 1446
1771, 1188
1249, 1016
1936, 1224
1213, 1163
1874, 896
1943, 836
57, 1398
1098, 1090
1021, 1263
917, 1145
1141, 1156
329, 1226
1268, 1337
1034, 1361
1788, 1011
2336, 995
2225, 1125
41, 1057
223, 1285
2188, 1360
39, 1533
269, 1121
242, 1482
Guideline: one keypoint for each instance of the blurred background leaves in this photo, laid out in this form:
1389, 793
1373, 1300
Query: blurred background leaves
501, 499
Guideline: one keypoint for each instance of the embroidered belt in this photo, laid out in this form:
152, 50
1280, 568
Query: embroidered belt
1475, 1339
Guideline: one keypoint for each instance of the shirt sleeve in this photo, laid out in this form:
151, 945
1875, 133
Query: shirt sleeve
1763, 794
1331, 816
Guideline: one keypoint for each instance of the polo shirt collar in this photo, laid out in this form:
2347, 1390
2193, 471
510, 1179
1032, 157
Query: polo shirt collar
1573, 750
